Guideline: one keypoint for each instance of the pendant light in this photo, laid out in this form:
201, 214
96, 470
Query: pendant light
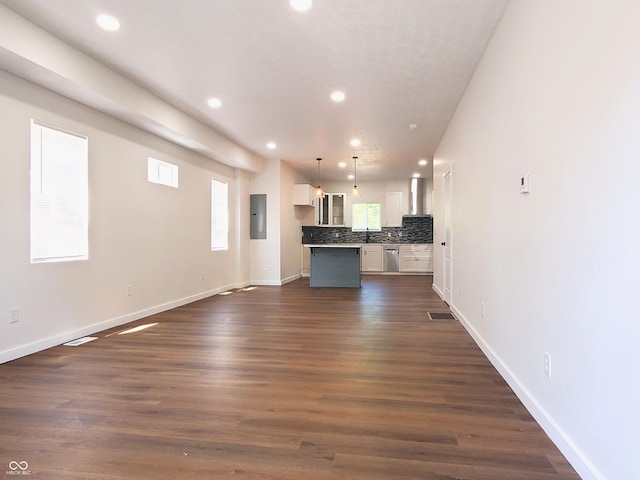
319, 192
355, 193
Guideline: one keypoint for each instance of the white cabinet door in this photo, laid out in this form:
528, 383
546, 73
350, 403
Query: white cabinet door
393, 209
330, 210
416, 258
304, 194
338, 204
371, 258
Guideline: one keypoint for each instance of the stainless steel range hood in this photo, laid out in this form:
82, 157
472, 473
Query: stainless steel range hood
417, 196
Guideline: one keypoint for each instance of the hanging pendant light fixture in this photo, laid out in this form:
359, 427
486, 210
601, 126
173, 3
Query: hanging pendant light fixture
355, 193
319, 192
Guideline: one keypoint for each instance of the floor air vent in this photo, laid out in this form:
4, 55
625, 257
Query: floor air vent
440, 317
80, 341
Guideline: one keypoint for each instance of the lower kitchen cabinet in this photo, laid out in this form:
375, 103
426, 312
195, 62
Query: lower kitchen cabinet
416, 258
371, 258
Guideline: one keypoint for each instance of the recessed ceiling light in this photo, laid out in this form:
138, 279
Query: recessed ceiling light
300, 5
422, 162
342, 164
413, 126
355, 142
337, 96
214, 103
271, 145
108, 23
416, 175
350, 176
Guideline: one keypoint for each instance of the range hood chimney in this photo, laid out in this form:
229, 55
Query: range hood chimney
417, 196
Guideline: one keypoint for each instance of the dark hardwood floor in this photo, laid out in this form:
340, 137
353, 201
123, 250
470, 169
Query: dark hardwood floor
275, 383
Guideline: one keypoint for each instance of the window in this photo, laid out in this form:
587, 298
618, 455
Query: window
366, 216
162, 172
59, 195
219, 216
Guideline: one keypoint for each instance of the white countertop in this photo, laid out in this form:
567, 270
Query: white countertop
333, 245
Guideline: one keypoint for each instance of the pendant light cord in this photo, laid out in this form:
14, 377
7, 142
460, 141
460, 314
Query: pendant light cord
319, 192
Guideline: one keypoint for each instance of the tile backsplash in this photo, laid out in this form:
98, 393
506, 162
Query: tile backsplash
415, 229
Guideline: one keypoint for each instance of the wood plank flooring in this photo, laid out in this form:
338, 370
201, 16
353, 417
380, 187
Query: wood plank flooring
276, 383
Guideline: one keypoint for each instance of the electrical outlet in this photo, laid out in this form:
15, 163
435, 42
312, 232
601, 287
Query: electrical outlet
14, 315
129, 291
547, 364
482, 309
201, 275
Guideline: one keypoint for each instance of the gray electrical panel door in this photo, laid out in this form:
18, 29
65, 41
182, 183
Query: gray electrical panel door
258, 206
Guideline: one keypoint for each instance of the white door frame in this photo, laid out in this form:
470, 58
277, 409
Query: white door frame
446, 243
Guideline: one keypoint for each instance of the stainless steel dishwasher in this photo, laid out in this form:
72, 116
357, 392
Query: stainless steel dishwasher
391, 254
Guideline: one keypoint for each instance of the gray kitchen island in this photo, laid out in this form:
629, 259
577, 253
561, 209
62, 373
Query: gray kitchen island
335, 265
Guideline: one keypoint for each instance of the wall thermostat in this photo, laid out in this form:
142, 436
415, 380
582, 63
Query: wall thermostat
524, 184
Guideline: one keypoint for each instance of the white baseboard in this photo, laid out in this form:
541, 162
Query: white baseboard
574, 455
437, 290
45, 343
290, 279
267, 283
241, 285
275, 283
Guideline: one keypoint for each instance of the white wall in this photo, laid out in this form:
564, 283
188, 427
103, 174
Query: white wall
277, 260
241, 218
154, 238
557, 95
265, 259
291, 220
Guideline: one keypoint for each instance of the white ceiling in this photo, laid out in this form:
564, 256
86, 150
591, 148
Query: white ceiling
399, 62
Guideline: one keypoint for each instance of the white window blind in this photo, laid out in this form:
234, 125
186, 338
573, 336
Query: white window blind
219, 215
161, 172
59, 195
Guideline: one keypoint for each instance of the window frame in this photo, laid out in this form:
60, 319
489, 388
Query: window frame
219, 223
367, 226
163, 173
59, 195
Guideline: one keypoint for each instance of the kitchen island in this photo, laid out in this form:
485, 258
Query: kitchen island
335, 265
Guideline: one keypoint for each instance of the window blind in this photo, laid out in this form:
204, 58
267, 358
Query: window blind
59, 195
219, 215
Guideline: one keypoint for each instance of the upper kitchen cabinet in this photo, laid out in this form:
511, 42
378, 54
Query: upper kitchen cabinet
393, 209
330, 210
304, 194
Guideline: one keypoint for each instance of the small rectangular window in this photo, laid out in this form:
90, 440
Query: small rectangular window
59, 195
161, 172
366, 216
219, 215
